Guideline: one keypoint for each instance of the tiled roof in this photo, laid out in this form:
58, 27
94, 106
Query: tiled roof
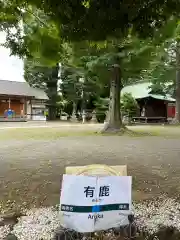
21, 89
143, 90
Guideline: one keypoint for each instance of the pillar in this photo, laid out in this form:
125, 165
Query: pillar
9, 101
83, 116
25, 107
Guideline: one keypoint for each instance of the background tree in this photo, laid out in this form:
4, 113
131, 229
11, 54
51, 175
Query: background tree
71, 87
101, 105
164, 70
45, 78
133, 55
79, 83
99, 20
39, 44
35, 75
129, 105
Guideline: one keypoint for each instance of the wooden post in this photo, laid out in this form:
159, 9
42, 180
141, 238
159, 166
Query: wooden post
25, 107
9, 101
22, 115
31, 109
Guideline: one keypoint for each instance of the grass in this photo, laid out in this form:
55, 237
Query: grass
41, 133
55, 132
162, 131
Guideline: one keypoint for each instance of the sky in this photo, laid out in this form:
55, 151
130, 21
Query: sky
11, 67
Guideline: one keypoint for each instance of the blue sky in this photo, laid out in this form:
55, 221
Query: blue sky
11, 68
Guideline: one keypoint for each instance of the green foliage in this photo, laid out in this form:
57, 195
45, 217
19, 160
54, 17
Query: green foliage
71, 88
45, 78
89, 38
36, 75
78, 69
79, 85
10, 15
92, 20
129, 105
35, 36
98, 20
44, 51
101, 105
132, 54
162, 68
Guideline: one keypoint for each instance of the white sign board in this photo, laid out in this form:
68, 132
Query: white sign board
91, 204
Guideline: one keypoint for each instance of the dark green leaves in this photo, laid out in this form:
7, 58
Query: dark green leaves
98, 19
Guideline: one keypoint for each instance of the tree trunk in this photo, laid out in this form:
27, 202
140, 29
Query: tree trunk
178, 82
52, 113
52, 92
114, 121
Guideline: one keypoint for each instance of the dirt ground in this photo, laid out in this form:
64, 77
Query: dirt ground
31, 170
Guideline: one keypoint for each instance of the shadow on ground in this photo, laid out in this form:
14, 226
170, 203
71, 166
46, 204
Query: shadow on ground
167, 233
164, 233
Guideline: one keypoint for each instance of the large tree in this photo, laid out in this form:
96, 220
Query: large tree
105, 59
101, 20
40, 70
95, 20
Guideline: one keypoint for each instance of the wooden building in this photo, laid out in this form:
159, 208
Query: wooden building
152, 107
21, 100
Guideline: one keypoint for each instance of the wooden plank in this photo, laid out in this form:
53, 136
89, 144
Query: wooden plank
98, 169
144, 118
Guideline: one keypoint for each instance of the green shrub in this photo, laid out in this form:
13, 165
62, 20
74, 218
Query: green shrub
129, 105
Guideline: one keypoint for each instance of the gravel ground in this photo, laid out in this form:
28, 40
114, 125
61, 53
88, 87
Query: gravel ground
41, 224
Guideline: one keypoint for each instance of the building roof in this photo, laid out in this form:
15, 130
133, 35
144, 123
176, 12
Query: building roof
21, 89
143, 90
39, 94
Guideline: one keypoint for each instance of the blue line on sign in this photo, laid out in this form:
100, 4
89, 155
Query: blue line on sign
96, 208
